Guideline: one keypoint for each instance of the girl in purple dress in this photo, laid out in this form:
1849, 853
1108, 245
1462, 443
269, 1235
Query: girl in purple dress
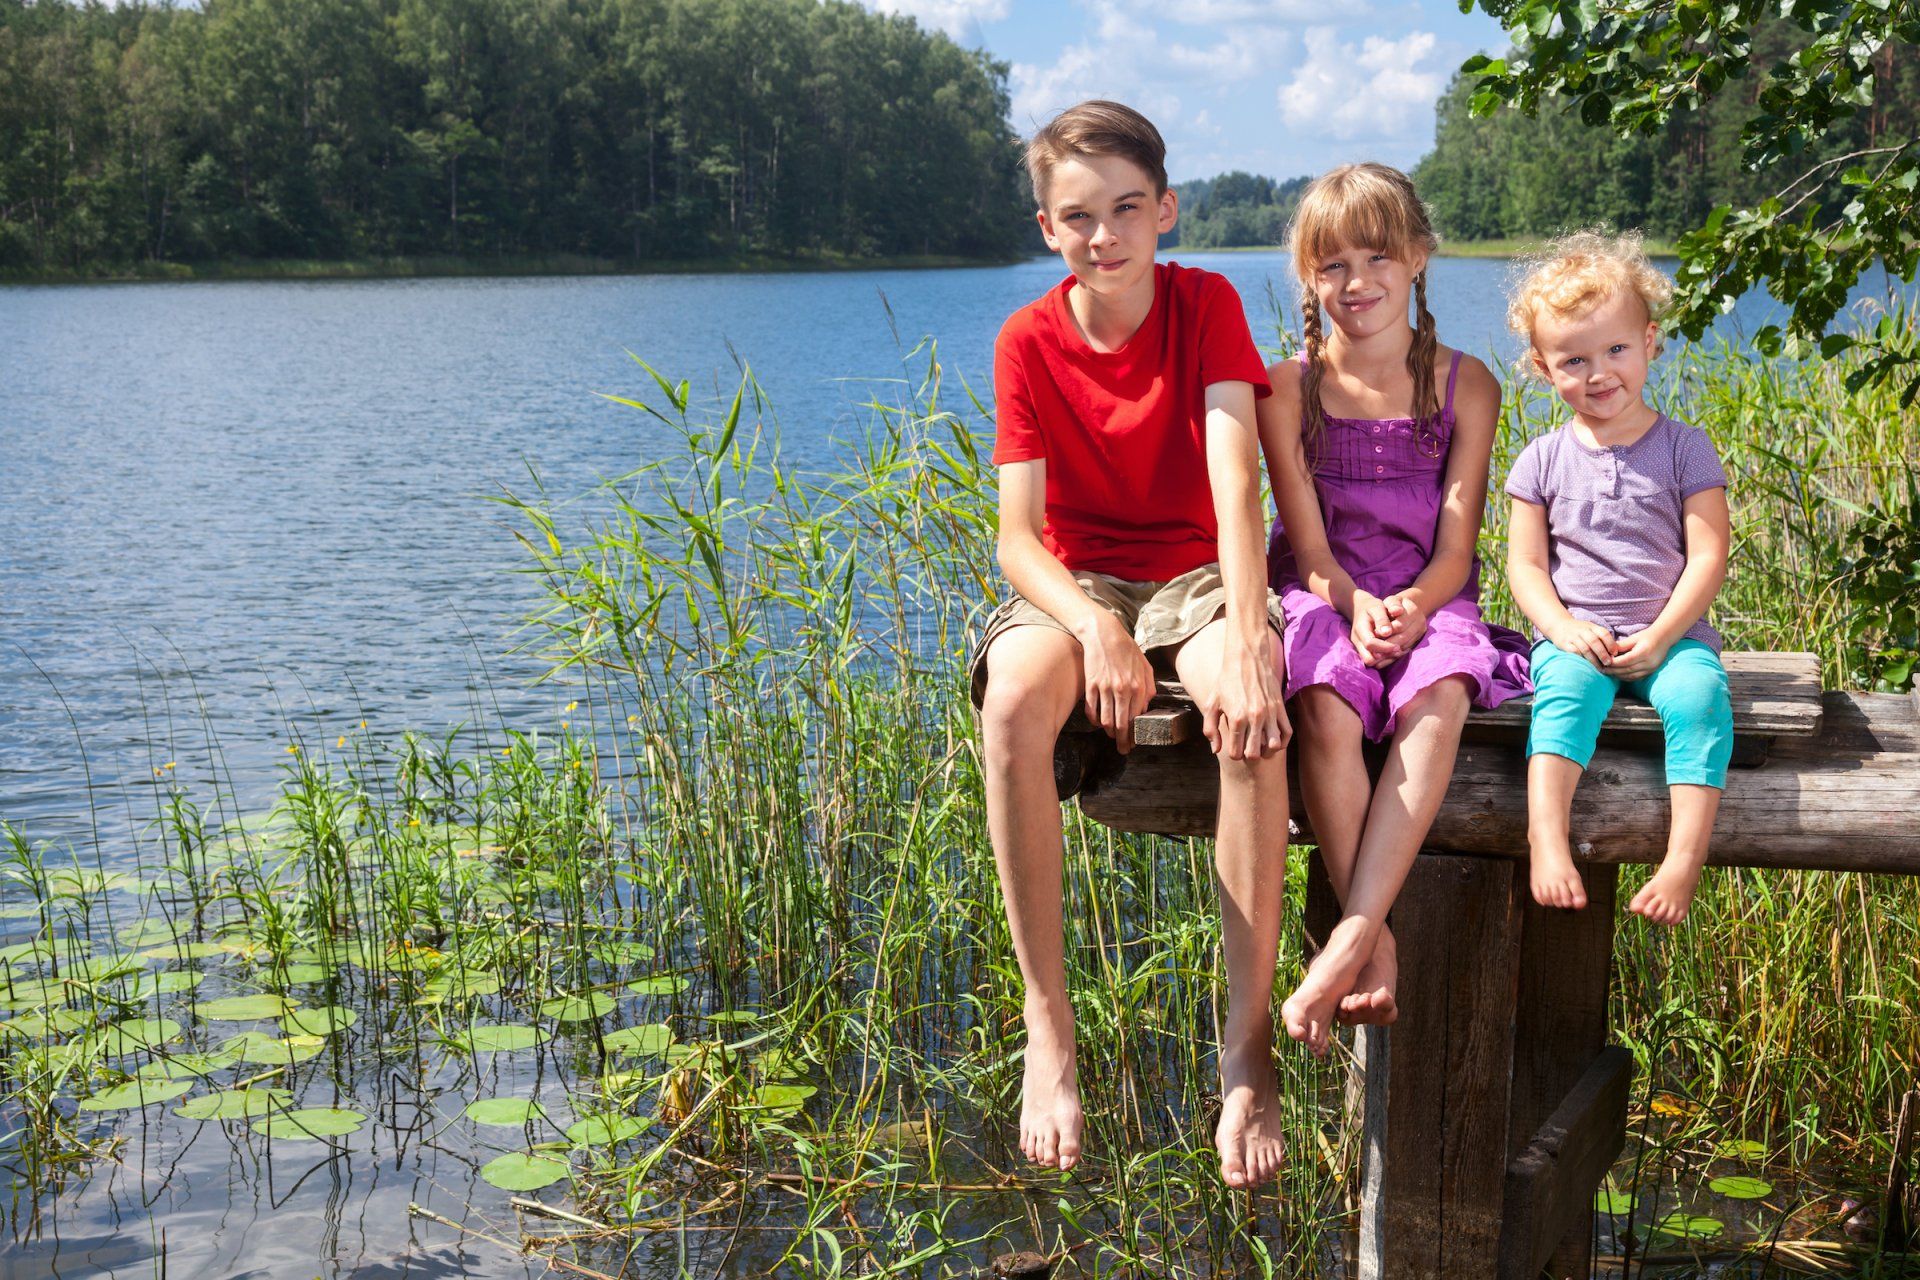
1378, 440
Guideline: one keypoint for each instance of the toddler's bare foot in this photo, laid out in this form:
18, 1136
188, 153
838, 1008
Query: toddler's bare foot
1308, 1012
1556, 881
1050, 1115
1666, 898
1372, 999
1251, 1149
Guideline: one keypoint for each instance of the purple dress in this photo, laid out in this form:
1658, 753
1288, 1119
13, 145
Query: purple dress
1380, 482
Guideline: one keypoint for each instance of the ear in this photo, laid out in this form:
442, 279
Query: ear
1046, 229
1653, 341
1416, 265
1539, 364
1169, 210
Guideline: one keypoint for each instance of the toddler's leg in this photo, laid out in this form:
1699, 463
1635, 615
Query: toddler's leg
1336, 791
1414, 782
1033, 682
1571, 697
1250, 860
1689, 690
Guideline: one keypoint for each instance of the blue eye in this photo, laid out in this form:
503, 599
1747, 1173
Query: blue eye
1616, 348
1572, 362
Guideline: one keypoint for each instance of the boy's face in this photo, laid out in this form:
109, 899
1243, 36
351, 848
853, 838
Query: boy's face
1597, 362
1365, 291
1104, 217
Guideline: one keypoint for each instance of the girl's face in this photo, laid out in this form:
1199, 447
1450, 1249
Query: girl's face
1598, 362
1365, 291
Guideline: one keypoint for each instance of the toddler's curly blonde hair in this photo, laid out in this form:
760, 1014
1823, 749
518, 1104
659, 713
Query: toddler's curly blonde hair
1581, 271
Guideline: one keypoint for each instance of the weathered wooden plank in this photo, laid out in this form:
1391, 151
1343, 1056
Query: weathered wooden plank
1774, 694
1841, 801
1550, 1184
1560, 1026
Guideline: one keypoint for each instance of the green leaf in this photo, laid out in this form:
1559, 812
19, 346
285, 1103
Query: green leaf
1741, 1149
234, 1104
642, 1042
662, 984
600, 1131
1736, 1187
520, 1171
310, 1123
322, 1021
777, 1101
266, 1050
503, 1038
246, 1008
1688, 1226
580, 1008
141, 1033
1616, 1203
138, 1092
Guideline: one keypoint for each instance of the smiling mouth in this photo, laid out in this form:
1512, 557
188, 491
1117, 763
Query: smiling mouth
1601, 395
1114, 265
1358, 304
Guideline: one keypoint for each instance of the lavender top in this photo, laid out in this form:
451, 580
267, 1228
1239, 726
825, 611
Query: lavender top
1615, 535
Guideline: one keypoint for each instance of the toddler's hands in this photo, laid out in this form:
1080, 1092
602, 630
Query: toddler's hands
1372, 632
1639, 655
1588, 639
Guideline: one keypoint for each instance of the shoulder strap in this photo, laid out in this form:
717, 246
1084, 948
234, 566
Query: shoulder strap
1453, 373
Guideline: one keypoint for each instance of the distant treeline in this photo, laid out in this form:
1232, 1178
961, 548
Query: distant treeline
613, 129
1514, 176
1234, 210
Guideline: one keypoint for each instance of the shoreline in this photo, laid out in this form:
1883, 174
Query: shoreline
1448, 248
433, 267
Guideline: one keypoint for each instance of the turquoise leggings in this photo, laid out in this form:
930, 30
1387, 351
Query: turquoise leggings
1571, 697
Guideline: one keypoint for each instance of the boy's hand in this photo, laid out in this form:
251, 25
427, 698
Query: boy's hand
1640, 654
1409, 621
1588, 639
1119, 679
1372, 632
1247, 717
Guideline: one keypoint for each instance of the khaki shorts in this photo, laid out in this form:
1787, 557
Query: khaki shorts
1163, 615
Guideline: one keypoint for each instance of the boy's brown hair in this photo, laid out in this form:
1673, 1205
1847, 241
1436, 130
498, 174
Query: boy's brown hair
1096, 127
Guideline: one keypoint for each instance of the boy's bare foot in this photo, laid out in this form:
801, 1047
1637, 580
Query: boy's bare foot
1251, 1149
1556, 881
1050, 1116
1372, 998
1666, 898
1308, 1012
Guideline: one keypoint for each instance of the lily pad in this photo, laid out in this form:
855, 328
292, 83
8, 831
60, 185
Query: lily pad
234, 1104
660, 984
600, 1131
777, 1101
504, 1112
266, 1050
310, 1122
147, 933
144, 986
456, 984
1616, 1203
92, 969
322, 1021
733, 1016
620, 951
138, 1092
246, 1008
506, 1038
520, 1171
185, 951
642, 1042
1742, 1149
54, 1022
580, 1008
1687, 1226
185, 1066
1735, 1187
141, 1033
293, 975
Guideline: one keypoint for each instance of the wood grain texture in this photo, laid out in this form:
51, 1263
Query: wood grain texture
1550, 1183
1774, 695
1840, 801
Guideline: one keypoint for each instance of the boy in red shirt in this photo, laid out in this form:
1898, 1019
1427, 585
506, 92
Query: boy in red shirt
1131, 531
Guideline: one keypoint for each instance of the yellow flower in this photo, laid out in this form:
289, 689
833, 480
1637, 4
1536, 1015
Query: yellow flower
168, 765
293, 748
342, 742
563, 724
413, 822
572, 705
632, 719
363, 724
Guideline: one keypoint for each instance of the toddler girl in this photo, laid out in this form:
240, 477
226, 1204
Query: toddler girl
1378, 441
1617, 546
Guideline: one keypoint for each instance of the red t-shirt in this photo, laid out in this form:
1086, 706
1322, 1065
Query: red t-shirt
1124, 433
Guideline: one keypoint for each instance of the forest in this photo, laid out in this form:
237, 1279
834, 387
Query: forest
625, 131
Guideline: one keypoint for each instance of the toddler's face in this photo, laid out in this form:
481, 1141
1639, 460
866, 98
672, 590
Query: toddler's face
1598, 361
1364, 290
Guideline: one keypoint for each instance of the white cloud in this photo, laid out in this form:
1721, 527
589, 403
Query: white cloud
960, 19
1229, 60
1376, 89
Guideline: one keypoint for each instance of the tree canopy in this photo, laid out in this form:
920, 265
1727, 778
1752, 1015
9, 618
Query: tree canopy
1233, 210
1824, 103
616, 129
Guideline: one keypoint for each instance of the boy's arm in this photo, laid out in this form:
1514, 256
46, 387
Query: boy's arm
1532, 588
1249, 718
1709, 532
1118, 680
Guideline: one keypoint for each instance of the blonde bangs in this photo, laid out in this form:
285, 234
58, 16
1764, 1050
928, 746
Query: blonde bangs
1358, 206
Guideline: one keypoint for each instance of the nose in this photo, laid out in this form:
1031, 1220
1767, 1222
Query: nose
1104, 234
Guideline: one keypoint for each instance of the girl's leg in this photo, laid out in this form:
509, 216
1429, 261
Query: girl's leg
1689, 690
1033, 682
1571, 697
1418, 770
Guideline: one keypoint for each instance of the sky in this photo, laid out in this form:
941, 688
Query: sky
1276, 87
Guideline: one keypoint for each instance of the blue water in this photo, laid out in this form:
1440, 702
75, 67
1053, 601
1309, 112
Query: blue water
244, 510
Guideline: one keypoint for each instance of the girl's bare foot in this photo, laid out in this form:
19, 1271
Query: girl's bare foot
1308, 1012
1556, 881
1666, 898
1251, 1149
1372, 999
1050, 1116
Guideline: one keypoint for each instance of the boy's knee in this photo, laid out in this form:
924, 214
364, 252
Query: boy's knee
1018, 707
